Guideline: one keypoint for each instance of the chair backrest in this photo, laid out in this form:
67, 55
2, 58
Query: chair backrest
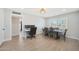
65, 32
55, 28
45, 29
51, 28
33, 31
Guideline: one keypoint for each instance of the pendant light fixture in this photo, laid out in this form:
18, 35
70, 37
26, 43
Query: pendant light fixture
42, 10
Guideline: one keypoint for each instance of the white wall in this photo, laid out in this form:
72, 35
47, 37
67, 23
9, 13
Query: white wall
5, 24
71, 23
39, 22
1, 26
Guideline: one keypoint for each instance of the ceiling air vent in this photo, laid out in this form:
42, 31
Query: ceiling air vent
18, 13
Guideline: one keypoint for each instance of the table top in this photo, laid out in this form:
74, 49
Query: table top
58, 30
27, 30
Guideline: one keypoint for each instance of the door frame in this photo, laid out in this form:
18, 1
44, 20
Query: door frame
19, 23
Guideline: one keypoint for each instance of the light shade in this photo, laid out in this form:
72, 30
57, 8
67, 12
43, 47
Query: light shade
42, 10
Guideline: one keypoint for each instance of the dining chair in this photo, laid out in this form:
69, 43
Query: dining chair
45, 31
63, 34
50, 32
32, 32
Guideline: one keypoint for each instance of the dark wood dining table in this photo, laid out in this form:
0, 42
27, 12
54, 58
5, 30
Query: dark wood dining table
56, 32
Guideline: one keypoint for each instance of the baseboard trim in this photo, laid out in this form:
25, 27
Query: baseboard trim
5, 40
1, 43
73, 38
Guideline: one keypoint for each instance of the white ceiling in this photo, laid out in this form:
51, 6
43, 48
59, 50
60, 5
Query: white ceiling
49, 11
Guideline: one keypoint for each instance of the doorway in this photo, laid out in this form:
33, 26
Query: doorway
16, 25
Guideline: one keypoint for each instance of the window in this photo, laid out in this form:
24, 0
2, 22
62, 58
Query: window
56, 22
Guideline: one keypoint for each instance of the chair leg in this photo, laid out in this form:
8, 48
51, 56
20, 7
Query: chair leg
64, 39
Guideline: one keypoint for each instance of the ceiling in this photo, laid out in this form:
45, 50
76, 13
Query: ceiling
49, 11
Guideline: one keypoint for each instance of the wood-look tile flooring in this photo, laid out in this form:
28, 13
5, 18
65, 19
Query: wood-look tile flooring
40, 43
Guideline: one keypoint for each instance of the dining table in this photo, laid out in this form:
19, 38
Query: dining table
56, 32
